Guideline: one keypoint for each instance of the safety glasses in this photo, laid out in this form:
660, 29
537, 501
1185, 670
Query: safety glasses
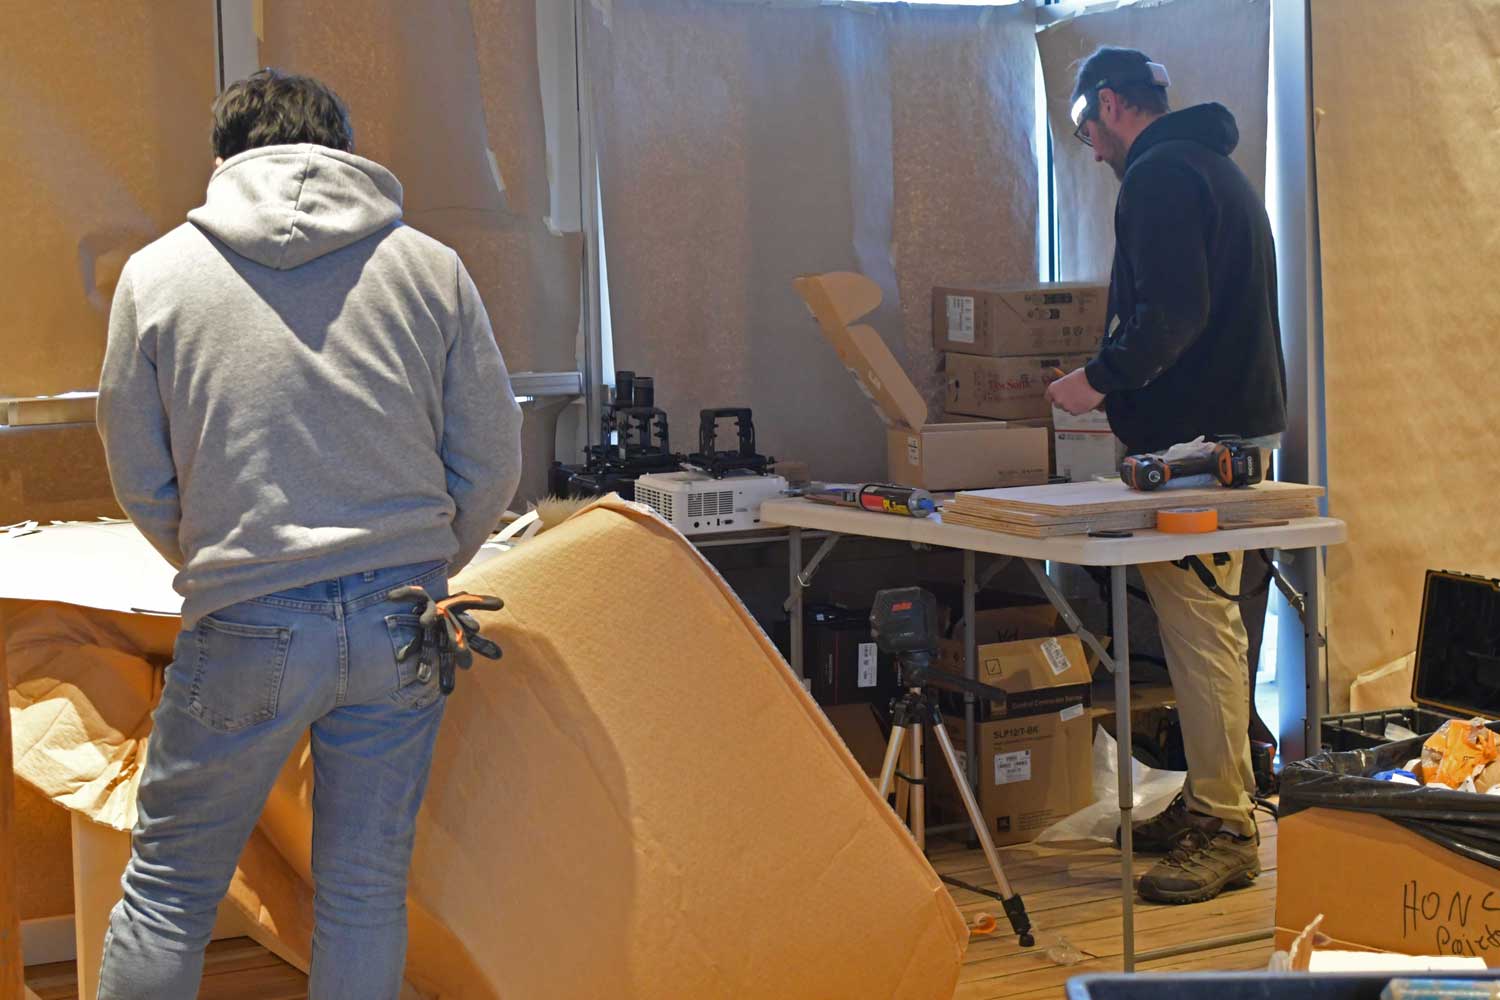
1086, 106
1080, 117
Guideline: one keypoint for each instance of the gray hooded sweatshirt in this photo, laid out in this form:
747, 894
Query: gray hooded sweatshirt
299, 387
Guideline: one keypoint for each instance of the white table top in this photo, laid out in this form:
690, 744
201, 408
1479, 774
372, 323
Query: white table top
1078, 550
107, 565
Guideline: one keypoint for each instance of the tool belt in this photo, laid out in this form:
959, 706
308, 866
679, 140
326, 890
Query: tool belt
449, 635
1273, 574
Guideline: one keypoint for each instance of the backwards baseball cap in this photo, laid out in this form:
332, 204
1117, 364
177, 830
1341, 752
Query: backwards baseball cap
1115, 69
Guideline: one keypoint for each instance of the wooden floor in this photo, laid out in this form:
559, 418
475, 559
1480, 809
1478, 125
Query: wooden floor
1072, 896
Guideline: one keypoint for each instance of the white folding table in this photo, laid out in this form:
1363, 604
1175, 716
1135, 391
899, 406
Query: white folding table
1117, 554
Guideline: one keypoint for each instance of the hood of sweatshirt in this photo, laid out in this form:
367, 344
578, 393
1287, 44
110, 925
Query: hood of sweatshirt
1210, 125
282, 206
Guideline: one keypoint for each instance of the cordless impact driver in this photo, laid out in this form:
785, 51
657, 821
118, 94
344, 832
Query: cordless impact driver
1233, 463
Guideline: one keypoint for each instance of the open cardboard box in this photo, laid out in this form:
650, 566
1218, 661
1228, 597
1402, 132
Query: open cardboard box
931, 455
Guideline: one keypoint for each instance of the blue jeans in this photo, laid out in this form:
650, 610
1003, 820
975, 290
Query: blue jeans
244, 685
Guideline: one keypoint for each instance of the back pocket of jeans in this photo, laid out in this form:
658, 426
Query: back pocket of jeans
237, 677
416, 682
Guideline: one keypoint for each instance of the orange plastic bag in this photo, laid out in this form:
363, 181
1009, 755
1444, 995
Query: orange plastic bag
1458, 751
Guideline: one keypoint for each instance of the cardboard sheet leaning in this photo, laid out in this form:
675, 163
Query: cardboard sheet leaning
638, 801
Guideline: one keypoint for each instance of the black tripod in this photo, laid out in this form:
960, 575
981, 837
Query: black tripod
899, 624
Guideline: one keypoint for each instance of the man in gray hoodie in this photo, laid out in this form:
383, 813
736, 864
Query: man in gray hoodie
303, 408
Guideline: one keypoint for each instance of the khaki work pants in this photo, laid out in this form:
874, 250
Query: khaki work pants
1205, 642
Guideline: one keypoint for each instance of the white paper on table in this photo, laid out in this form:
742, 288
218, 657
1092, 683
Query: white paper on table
105, 565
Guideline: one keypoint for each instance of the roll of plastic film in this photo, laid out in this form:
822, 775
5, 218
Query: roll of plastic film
1187, 520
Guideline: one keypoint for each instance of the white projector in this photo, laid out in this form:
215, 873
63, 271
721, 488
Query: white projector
696, 503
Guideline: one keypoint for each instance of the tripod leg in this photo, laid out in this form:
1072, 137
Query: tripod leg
1015, 909
892, 754
918, 821
903, 787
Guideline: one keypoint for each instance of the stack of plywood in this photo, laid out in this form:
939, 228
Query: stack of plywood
1078, 508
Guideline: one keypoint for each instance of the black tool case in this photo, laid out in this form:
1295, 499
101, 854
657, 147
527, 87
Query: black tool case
1457, 669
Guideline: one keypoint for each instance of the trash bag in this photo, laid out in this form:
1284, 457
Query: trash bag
1463, 822
1154, 791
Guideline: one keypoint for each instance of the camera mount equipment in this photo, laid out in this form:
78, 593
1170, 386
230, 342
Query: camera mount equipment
633, 441
721, 463
904, 625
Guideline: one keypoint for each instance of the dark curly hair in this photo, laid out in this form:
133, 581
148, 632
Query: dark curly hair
269, 108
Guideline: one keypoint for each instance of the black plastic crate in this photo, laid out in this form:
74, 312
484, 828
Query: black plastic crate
1247, 986
1363, 730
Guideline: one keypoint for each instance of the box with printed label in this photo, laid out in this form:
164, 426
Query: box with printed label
1042, 674
1081, 458
1033, 771
1005, 388
936, 455
1083, 446
1000, 320
1036, 744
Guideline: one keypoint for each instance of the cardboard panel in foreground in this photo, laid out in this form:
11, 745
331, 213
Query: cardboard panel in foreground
642, 775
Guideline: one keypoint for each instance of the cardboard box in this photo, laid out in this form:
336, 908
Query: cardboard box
1036, 747
1314, 951
1382, 887
845, 665
1022, 617
1031, 774
1084, 457
931, 455
1047, 673
1005, 388
1084, 446
960, 456
56, 472
1009, 320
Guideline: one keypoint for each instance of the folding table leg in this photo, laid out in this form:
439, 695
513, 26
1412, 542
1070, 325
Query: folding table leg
1124, 761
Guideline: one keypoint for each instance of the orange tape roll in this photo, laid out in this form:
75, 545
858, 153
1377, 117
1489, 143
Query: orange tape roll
1187, 520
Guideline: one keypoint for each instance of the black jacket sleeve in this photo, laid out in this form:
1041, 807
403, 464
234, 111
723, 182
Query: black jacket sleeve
1161, 225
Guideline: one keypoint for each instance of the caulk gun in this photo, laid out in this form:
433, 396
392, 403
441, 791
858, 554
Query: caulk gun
882, 498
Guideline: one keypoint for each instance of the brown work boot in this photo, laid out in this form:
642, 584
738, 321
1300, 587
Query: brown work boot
1158, 834
1201, 866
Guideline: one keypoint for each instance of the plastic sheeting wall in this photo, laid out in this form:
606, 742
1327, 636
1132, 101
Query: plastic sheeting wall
1409, 232
743, 144
447, 95
1214, 50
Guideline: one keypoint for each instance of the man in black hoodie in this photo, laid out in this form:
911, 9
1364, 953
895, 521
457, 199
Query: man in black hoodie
1192, 350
